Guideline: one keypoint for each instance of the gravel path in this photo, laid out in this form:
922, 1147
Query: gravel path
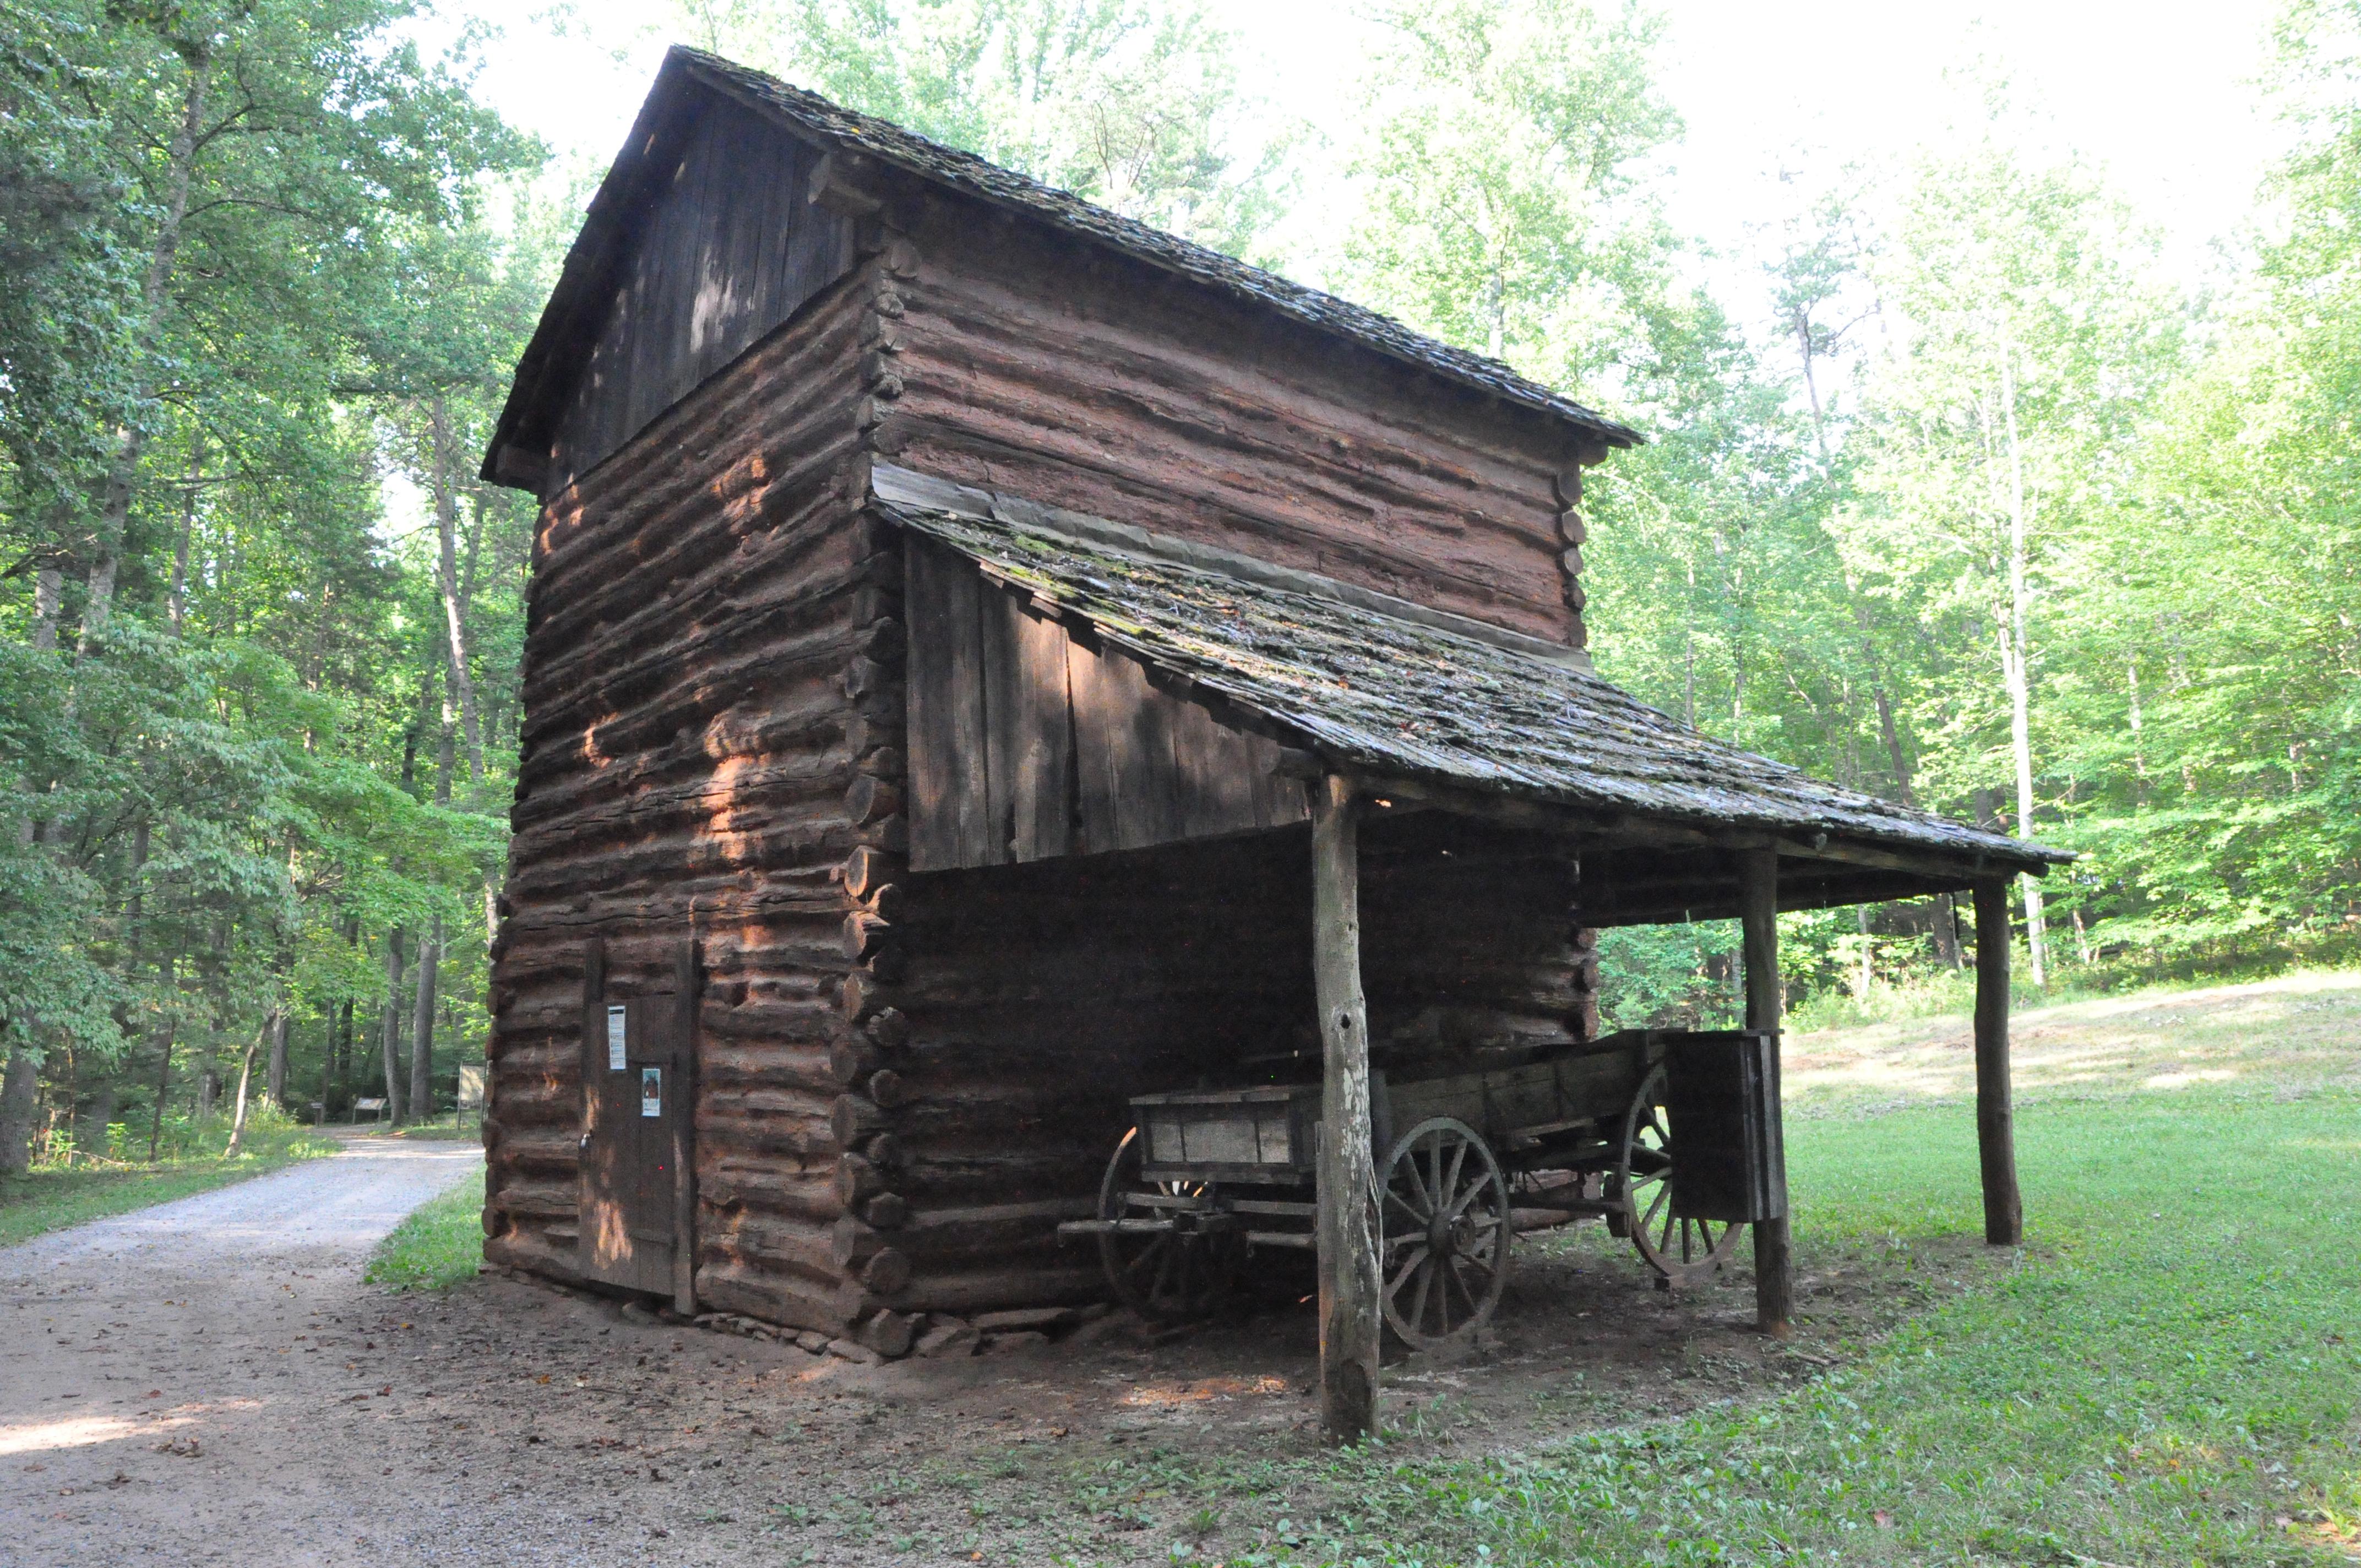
161, 1372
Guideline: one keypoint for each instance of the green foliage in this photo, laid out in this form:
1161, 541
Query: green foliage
254, 255
437, 1246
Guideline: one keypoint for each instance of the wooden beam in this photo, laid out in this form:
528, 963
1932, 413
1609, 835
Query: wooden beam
1995, 1120
1346, 1247
1758, 876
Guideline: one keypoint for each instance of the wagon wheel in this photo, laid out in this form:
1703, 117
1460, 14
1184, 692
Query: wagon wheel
1682, 1251
1167, 1276
1446, 1226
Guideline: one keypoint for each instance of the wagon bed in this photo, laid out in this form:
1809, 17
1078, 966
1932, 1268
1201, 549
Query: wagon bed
1465, 1160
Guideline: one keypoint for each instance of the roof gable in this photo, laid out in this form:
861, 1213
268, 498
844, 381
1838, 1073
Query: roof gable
565, 343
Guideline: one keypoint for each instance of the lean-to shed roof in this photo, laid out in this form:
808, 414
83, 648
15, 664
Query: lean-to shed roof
1396, 692
543, 374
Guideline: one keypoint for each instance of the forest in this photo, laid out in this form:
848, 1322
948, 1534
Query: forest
1990, 512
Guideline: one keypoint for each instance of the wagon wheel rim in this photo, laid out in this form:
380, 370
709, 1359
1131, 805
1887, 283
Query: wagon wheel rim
1172, 1276
1444, 1208
1683, 1250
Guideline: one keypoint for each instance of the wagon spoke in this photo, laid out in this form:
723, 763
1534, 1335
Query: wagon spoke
1425, 1287
1450, 1183
1418, 1216
1401, 1275
1459, 1204
1452, 1269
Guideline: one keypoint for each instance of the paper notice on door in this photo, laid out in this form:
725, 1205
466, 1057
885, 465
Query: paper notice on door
615, 1039
651, 1091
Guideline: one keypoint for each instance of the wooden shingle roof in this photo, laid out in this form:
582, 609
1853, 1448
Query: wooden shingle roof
1393, 691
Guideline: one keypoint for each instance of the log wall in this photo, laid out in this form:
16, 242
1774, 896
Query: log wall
1036, 366
700, 759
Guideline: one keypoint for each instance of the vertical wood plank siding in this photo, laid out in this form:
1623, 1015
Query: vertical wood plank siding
696, 602
1032, 366
1025, 743
728, 251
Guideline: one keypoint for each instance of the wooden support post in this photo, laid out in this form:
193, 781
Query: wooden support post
1758, 903
1996, 1122
1348, 1179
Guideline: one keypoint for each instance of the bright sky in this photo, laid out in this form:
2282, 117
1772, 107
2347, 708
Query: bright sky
2162, 94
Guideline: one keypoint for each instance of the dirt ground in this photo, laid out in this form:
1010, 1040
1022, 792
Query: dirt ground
210, 1381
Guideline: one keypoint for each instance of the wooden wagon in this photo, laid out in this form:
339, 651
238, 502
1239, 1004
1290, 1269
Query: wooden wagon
1671, 1137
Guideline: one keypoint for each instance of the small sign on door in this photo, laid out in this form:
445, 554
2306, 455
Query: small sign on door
616, 1041
651, 1091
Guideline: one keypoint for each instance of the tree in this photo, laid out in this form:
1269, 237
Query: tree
209, 206
1501, 160
1998, 425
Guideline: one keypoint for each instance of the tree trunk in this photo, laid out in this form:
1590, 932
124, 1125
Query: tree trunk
275, 1080
237, 1117
48, 595
19, 1087
1947, 931
96, 1119
421, 1026
459, 682
392, 1030
176, 598
115, 504
163, 1088
2013, 659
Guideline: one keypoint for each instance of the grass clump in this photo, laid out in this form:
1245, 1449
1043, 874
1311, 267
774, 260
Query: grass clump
437, 1246
76, 1188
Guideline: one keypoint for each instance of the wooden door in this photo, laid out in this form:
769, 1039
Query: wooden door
637, 1102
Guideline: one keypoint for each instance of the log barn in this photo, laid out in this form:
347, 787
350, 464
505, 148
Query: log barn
990, 660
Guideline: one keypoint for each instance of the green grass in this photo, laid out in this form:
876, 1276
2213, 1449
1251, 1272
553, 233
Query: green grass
54, 1197
437, 1246
2171, 1375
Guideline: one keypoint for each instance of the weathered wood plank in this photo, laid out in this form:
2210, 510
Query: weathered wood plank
940, 772
999, 690
1044, 785
726, 251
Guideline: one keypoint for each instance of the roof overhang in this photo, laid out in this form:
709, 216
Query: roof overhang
1427, 711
